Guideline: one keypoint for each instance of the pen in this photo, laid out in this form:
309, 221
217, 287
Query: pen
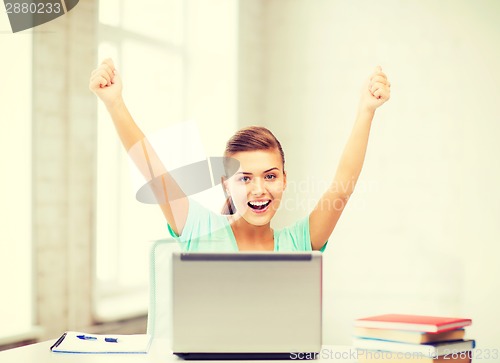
86, 337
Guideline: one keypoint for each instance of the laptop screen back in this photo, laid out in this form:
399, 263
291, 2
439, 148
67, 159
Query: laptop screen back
247, 302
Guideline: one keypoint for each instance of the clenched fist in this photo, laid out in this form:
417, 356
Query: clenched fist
376, 91
106, 83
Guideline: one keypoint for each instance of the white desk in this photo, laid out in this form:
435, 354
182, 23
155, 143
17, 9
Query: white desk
159, 352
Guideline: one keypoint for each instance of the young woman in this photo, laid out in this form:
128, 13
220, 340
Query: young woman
254, 192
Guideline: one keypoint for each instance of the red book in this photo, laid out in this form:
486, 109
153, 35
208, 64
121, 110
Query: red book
428, 324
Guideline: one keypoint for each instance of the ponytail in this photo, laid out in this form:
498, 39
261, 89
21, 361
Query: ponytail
228, 208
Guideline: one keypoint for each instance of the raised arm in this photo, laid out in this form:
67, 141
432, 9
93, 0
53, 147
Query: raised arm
106, 83
327, 212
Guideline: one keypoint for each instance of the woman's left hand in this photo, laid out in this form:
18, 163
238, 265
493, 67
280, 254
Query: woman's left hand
376, 91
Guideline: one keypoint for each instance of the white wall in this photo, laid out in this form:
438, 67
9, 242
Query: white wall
419, 234
211, 85
16, 313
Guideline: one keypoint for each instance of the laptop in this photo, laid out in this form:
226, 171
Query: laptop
246, 305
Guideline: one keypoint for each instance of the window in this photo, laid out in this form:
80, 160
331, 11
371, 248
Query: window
145, 39
178, 60
15, 162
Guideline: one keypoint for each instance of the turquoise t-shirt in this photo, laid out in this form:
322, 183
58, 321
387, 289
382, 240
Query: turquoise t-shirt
206, 231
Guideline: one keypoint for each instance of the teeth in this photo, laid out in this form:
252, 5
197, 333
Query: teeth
258, 204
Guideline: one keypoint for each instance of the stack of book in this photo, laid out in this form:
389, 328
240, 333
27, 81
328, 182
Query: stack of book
412, 338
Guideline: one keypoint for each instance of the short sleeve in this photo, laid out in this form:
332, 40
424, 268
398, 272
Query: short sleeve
194, 226
296, 237
204, 230
322, 249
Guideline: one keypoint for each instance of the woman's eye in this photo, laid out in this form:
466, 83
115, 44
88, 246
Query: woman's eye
244, 179
270, 176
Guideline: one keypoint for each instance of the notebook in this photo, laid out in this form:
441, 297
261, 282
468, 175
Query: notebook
423, 323
79, 342
250, 305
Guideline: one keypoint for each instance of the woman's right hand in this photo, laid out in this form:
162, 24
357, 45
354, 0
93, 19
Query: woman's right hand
106, 83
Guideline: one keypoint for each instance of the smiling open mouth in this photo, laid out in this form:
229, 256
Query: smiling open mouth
259, 205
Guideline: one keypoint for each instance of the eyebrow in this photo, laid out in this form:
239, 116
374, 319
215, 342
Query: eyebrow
265, 171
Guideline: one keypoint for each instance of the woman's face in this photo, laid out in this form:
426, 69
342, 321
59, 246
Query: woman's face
258, 185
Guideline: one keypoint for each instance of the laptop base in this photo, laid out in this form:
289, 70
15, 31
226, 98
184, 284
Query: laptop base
248, 356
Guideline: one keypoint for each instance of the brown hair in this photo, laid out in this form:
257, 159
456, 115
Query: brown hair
249, 139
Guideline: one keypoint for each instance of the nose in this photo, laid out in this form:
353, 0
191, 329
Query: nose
258, 186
